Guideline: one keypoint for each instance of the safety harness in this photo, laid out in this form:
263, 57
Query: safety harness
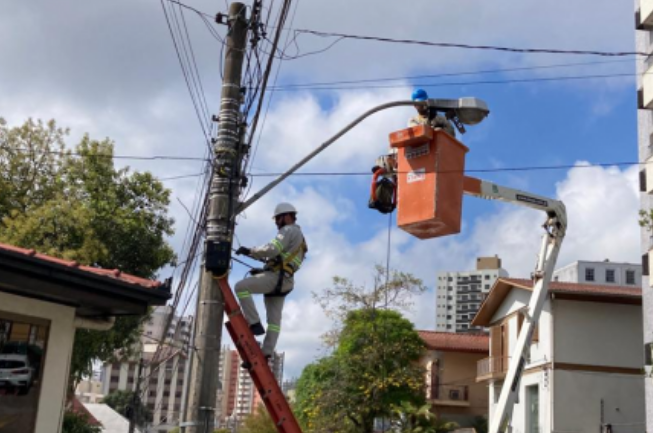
285, 263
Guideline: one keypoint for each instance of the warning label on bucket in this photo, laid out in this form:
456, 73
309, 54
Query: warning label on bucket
416, 175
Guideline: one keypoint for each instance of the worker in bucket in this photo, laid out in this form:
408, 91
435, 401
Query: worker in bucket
422, 118
283, 256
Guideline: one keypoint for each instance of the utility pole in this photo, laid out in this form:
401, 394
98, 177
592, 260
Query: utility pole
136, 404
224, 191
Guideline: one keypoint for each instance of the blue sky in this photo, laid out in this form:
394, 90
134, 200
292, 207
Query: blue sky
110, 69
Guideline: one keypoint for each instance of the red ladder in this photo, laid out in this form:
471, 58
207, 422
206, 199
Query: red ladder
250, 352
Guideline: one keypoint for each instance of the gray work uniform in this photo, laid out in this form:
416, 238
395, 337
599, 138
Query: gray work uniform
437, 122
289, 243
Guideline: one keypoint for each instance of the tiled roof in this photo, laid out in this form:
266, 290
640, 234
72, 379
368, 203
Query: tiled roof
449, 341
115, 274
578, 288
577, 291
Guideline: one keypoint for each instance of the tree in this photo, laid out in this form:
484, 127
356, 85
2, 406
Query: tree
258, 422
78, 423
127, 404
373, 366
408, 418
76, 205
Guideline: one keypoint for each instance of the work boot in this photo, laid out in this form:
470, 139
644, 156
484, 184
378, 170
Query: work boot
257, 329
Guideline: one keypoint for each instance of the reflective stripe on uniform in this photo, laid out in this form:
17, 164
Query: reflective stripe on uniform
243, 295
278, 245
274, 328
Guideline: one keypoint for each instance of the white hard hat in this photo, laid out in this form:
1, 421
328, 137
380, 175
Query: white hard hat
283, 208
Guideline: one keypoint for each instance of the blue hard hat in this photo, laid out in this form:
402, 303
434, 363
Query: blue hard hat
420, 95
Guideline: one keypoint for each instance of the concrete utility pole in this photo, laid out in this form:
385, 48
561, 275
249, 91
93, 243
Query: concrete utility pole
136, 404
223, 193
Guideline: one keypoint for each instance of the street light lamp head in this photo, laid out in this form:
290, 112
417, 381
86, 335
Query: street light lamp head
462, 111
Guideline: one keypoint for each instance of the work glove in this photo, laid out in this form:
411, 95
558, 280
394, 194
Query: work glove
243, 250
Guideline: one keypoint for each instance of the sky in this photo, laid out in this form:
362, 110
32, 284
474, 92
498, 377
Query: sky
109, 69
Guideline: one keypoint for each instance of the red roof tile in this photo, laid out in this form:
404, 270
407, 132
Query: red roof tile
578, 288
115, 274
448, 341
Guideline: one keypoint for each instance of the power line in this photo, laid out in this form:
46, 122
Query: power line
465, 83
134, 157
343, 36
450, 74
472, 170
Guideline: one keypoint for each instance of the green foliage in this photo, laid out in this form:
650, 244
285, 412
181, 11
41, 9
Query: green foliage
78, 206
480, 424
408, 418
373, 367
258, 422
128, 405
78, 423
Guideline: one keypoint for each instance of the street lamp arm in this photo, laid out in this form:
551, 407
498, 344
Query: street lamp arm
323, 146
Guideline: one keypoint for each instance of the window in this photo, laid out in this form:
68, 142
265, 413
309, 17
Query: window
609, 275
450, 288
448, 317
449, 298
448, 307
487, 277
630, 277
589, 274
449, 279
448, 326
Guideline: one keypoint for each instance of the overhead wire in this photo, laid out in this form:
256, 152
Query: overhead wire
343, 36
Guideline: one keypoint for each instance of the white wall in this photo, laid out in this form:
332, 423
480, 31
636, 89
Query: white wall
57, 358
598, 334
578, 395
575, 273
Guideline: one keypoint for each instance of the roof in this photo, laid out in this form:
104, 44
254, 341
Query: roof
93, 292
572, 291
109, 273
112, 421
448, 341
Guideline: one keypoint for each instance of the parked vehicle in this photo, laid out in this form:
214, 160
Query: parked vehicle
16, 373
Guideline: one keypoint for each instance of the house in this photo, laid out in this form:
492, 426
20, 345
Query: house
43, 300
450, 363
584, 366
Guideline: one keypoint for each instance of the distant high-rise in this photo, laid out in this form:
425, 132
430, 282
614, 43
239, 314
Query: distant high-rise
459, 294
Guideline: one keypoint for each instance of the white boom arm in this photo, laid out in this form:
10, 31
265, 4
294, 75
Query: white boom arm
555, 227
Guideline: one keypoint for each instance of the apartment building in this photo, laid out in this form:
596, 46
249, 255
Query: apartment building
605, 273
237, 395
459, 294
180, 328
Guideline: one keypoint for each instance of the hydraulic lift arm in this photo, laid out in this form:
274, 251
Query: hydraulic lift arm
555, 227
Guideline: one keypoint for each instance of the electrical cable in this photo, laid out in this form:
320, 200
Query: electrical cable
453, 74
343, 36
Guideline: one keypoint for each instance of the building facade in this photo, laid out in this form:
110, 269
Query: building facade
459, 295
643, 43
450, 375
237, 395
605, 273
583, 369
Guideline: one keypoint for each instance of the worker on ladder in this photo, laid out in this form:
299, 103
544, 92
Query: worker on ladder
283, 256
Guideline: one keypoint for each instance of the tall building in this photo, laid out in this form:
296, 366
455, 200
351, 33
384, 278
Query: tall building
643, 38
237, 395
605, 273
162, 383
179, 330
164, 375
459, 294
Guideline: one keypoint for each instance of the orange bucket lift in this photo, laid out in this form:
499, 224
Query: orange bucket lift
430, 178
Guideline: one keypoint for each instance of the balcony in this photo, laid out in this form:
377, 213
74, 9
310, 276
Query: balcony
450, 396
492, 368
